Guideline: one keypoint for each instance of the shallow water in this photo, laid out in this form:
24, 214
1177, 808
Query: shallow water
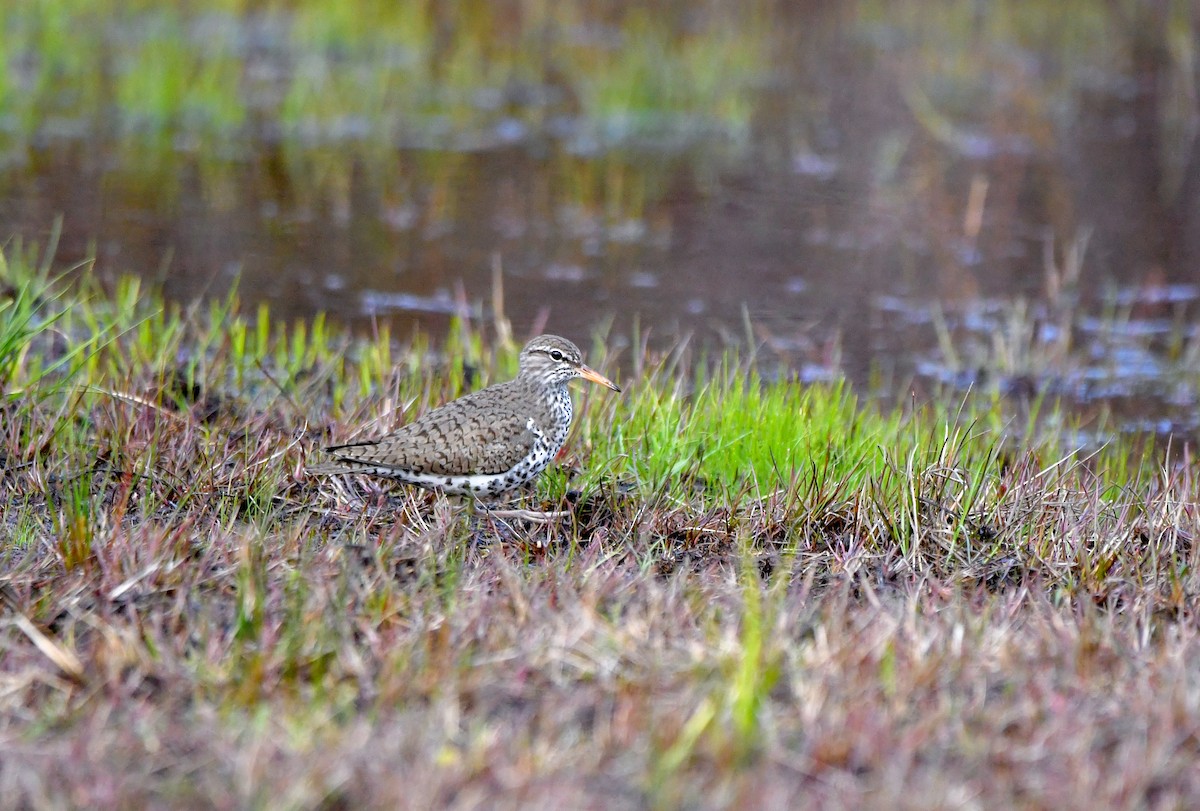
867, 187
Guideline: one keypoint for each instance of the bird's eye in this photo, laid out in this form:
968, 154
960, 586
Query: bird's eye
556, 355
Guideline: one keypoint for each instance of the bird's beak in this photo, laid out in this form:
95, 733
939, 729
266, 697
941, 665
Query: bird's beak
588, 373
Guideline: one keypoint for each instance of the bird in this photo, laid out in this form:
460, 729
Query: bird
486, 443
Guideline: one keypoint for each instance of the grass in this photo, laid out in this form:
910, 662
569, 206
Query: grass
770, 594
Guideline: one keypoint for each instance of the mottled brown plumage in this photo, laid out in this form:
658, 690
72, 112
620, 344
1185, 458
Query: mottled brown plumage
487, 442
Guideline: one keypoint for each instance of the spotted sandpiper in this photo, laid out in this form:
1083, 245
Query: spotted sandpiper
487, 442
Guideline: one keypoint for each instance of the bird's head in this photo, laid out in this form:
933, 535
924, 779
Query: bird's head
557, 361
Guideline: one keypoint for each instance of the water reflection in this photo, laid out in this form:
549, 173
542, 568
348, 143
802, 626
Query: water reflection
868, 181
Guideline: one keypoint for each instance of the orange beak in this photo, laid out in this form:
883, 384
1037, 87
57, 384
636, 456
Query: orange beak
588, 373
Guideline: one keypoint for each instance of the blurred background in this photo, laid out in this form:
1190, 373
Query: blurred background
917, 195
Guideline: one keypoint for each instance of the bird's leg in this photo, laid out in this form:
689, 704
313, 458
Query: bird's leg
537, 516
449, 511
475, 504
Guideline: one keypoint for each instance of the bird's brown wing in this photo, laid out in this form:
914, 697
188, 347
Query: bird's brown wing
471, 435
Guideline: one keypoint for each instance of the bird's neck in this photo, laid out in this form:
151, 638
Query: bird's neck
560, 398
